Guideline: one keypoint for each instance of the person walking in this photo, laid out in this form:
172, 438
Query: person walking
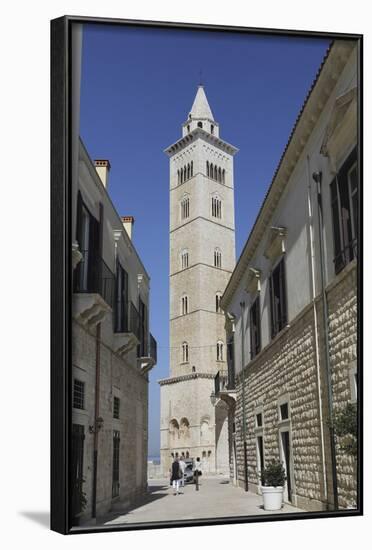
176, 475
197, 472
182, 468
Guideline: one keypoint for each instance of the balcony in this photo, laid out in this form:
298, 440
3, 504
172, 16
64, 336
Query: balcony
148, 362
94, 285
224, 388
126, 337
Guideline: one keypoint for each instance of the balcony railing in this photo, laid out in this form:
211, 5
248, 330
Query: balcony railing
153, 348
93, 275
134, 320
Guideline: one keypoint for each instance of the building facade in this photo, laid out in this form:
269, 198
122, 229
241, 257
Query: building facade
202, 257
112, 352
291, 304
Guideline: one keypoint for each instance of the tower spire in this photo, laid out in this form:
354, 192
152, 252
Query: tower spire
200, 108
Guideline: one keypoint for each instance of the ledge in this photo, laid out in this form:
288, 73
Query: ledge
275, 245
145, 364
184, 377
124, 342
253, 283
89, 309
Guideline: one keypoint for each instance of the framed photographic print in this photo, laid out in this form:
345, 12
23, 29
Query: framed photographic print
206, 275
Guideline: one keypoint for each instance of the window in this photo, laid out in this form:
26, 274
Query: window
143, 330
188, 171
215, 172
218, 302
284, 412
208, 169
188, 128
219, 351
116, 409
192, 169
87, 235
212, 129
223, 176
200, 125
184, 305
278, 299
79, 394
185, 208
184, 259
185, 352
344, 205
209, 454
204, 454
219, 175
259, 420
217, 258
121, 301
115, 464
216, 207
255, 328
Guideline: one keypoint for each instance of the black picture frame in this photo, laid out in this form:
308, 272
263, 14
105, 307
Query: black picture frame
62, 126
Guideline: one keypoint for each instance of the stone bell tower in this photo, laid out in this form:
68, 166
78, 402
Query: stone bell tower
202, 258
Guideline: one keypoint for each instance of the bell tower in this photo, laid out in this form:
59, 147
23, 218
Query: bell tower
202, 258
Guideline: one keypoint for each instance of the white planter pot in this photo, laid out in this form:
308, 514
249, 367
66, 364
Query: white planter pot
272, 497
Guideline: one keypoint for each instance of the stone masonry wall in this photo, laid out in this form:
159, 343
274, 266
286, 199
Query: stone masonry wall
120, 378
287, 370
342, 309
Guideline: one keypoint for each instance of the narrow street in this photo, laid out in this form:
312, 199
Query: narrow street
216, 497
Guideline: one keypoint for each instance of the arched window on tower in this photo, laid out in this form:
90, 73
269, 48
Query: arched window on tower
223, 175
215, 172
185, 207
219, 351
212, 129
184, 305
188, 171
184, 259
184, 173
217, 257
188, 128
218, 302
216, 207
192, 168
185, 352
208, 169
219, 175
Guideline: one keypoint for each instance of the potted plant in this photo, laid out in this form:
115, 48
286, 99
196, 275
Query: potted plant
273, 478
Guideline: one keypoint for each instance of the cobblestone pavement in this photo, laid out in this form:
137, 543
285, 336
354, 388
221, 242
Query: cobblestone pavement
216, 498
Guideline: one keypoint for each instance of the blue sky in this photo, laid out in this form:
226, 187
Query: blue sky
138, 86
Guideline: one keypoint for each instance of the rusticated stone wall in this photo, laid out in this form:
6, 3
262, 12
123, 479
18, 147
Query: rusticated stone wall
286, 371
342, 309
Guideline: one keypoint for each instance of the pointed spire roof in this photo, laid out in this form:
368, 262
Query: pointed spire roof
200, 108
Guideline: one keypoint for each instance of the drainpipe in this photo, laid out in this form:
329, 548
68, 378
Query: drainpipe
96, 420
317, 177
317, 353
242, 306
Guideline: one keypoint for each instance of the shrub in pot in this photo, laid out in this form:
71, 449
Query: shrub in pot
273, 478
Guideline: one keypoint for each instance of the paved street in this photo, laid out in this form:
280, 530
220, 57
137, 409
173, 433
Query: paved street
215, 498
